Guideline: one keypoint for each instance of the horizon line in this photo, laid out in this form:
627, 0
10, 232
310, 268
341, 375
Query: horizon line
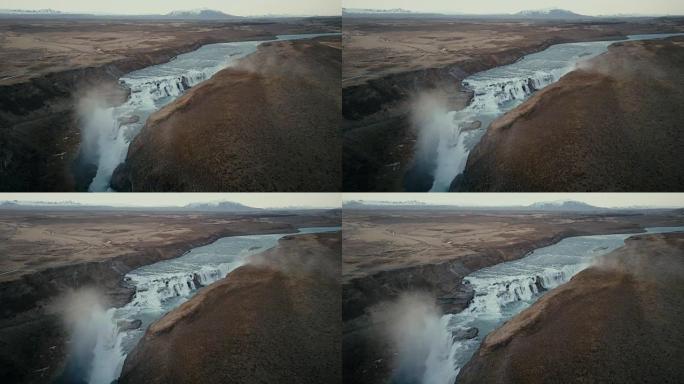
457, 13
104, 13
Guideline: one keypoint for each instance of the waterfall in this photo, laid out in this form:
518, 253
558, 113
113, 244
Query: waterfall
497, 91
494, 294
152, 292
492, 96
115, 128
504, 290
161, 287
110, 130
108, 357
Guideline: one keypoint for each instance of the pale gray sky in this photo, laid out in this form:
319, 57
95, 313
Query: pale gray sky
258, 200
607, 200
235, 7
586, 7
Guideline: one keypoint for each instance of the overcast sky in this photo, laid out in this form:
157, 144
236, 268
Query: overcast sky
235, 7
507, 199
258, 200
586, 7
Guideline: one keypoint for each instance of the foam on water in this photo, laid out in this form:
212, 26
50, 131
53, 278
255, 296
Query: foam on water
504, 290
499, 90
113, 129
161, 287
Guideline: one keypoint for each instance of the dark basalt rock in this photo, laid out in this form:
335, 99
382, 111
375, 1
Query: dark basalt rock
120, 180
130, 119
465, 334
127, 325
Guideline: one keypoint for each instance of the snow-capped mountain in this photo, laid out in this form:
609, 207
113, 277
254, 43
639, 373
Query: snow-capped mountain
374, 11
29, 12
551, 13
222, 206
564, 205
355, 204
203, 14
14, 203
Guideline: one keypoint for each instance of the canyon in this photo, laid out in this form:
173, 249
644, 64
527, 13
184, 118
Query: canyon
393, 252
269, 122
48, 66
287, 296
615, 321
384, 100
610, 125
47, 255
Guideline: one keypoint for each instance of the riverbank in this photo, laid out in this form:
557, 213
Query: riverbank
611, 125
618, 321
56, 252
391, 253
243, 327
47, 66
268, 123
390, 63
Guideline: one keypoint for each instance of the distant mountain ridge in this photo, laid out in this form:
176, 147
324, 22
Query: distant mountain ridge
202, 14
549, 206
217, 206
220, 206
541, 14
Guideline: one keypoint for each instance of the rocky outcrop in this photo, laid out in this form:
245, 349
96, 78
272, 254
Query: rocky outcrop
270, 123
275, 319
612, 125
465, 334
615, 322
